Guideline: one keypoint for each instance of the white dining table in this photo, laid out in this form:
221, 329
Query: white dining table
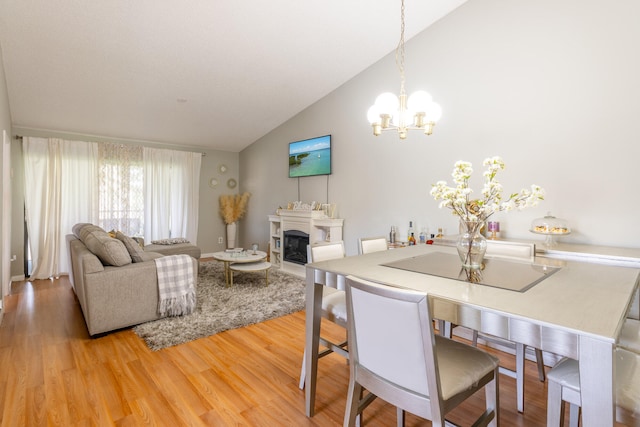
575, 312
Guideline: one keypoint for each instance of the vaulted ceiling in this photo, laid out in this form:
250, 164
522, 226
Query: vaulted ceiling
217, 74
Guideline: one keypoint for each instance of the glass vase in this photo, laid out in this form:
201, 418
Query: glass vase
471, 245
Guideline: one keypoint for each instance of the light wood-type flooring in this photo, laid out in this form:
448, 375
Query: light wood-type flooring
53, 374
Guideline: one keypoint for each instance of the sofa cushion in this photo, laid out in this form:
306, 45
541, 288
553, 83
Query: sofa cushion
135, 250
172, 241
177, 249
110, 251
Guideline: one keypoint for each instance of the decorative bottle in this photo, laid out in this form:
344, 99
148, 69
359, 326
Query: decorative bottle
412, 240
392, 235
423, 235
410, 232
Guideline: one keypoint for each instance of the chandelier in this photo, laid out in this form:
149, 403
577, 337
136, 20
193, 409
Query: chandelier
417, 112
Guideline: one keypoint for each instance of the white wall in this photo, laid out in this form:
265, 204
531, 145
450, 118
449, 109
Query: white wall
551, 86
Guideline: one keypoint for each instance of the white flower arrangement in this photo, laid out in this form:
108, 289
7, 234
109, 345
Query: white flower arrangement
459, 198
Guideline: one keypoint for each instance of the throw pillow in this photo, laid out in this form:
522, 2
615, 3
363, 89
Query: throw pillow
136, 252
110, 251
173, 241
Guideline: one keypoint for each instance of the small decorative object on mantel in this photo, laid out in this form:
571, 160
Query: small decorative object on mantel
328, 209
302, 206
494, 229
473, 213
233, 208
550, 226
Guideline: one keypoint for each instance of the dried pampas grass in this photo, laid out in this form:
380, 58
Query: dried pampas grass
233, 207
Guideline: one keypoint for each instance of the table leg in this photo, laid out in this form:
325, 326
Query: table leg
596, 382
312, 339
227, 271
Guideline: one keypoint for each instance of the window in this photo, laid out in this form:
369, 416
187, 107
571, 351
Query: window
121, 188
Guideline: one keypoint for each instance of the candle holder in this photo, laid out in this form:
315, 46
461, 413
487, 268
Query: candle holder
494, 228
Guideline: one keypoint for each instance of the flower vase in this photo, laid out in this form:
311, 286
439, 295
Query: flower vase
471, 244
231, 235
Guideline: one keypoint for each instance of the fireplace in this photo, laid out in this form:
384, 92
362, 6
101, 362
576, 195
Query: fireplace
295, 246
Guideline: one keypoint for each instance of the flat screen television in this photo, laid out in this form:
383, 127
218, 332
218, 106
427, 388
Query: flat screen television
310, 157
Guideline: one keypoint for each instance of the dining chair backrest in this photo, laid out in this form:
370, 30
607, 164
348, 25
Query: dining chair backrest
403, 334
629, 338
392, 354
512, 250
326, 252
372, 244
634, 310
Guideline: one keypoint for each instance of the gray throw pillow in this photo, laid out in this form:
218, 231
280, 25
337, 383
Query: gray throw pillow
110, 251
135, 251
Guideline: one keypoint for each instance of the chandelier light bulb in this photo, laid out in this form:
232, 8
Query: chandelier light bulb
387, 103
434, 112
419, 101
373, 115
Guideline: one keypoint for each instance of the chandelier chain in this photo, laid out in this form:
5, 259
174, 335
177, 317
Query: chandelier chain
400, 50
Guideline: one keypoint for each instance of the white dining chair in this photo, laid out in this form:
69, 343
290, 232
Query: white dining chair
333, 301
564, 386
630, 335
394, 355
634, 311
372, 244
515, 251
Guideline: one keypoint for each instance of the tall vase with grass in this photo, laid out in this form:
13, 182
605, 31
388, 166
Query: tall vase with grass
232, 209
473, 212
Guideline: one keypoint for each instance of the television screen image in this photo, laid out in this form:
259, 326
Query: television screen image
310, 157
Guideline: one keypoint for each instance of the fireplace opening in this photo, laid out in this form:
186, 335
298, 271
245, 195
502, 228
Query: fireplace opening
295, 246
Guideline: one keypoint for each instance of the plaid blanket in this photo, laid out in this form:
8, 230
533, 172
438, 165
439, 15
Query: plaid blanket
176, 285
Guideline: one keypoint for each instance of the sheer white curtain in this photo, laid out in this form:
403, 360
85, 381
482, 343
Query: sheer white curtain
172, 185
121, 188
60, 191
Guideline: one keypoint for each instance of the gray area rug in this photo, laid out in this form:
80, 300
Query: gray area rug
220, 308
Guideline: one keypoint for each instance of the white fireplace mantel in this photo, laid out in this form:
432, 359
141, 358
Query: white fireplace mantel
316, 224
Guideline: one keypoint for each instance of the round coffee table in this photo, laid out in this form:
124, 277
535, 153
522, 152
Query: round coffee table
235, 257
252, 267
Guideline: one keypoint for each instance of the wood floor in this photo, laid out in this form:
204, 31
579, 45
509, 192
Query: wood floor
53, 374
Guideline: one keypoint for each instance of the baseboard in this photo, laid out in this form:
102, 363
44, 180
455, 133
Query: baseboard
293, 268
17, 278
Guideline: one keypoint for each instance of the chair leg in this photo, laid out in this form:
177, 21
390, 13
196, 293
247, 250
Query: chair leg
445, 328
520, 376
492, 398
555, 414
540, 361
574, 415
400, 417
303, 371
353, 402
